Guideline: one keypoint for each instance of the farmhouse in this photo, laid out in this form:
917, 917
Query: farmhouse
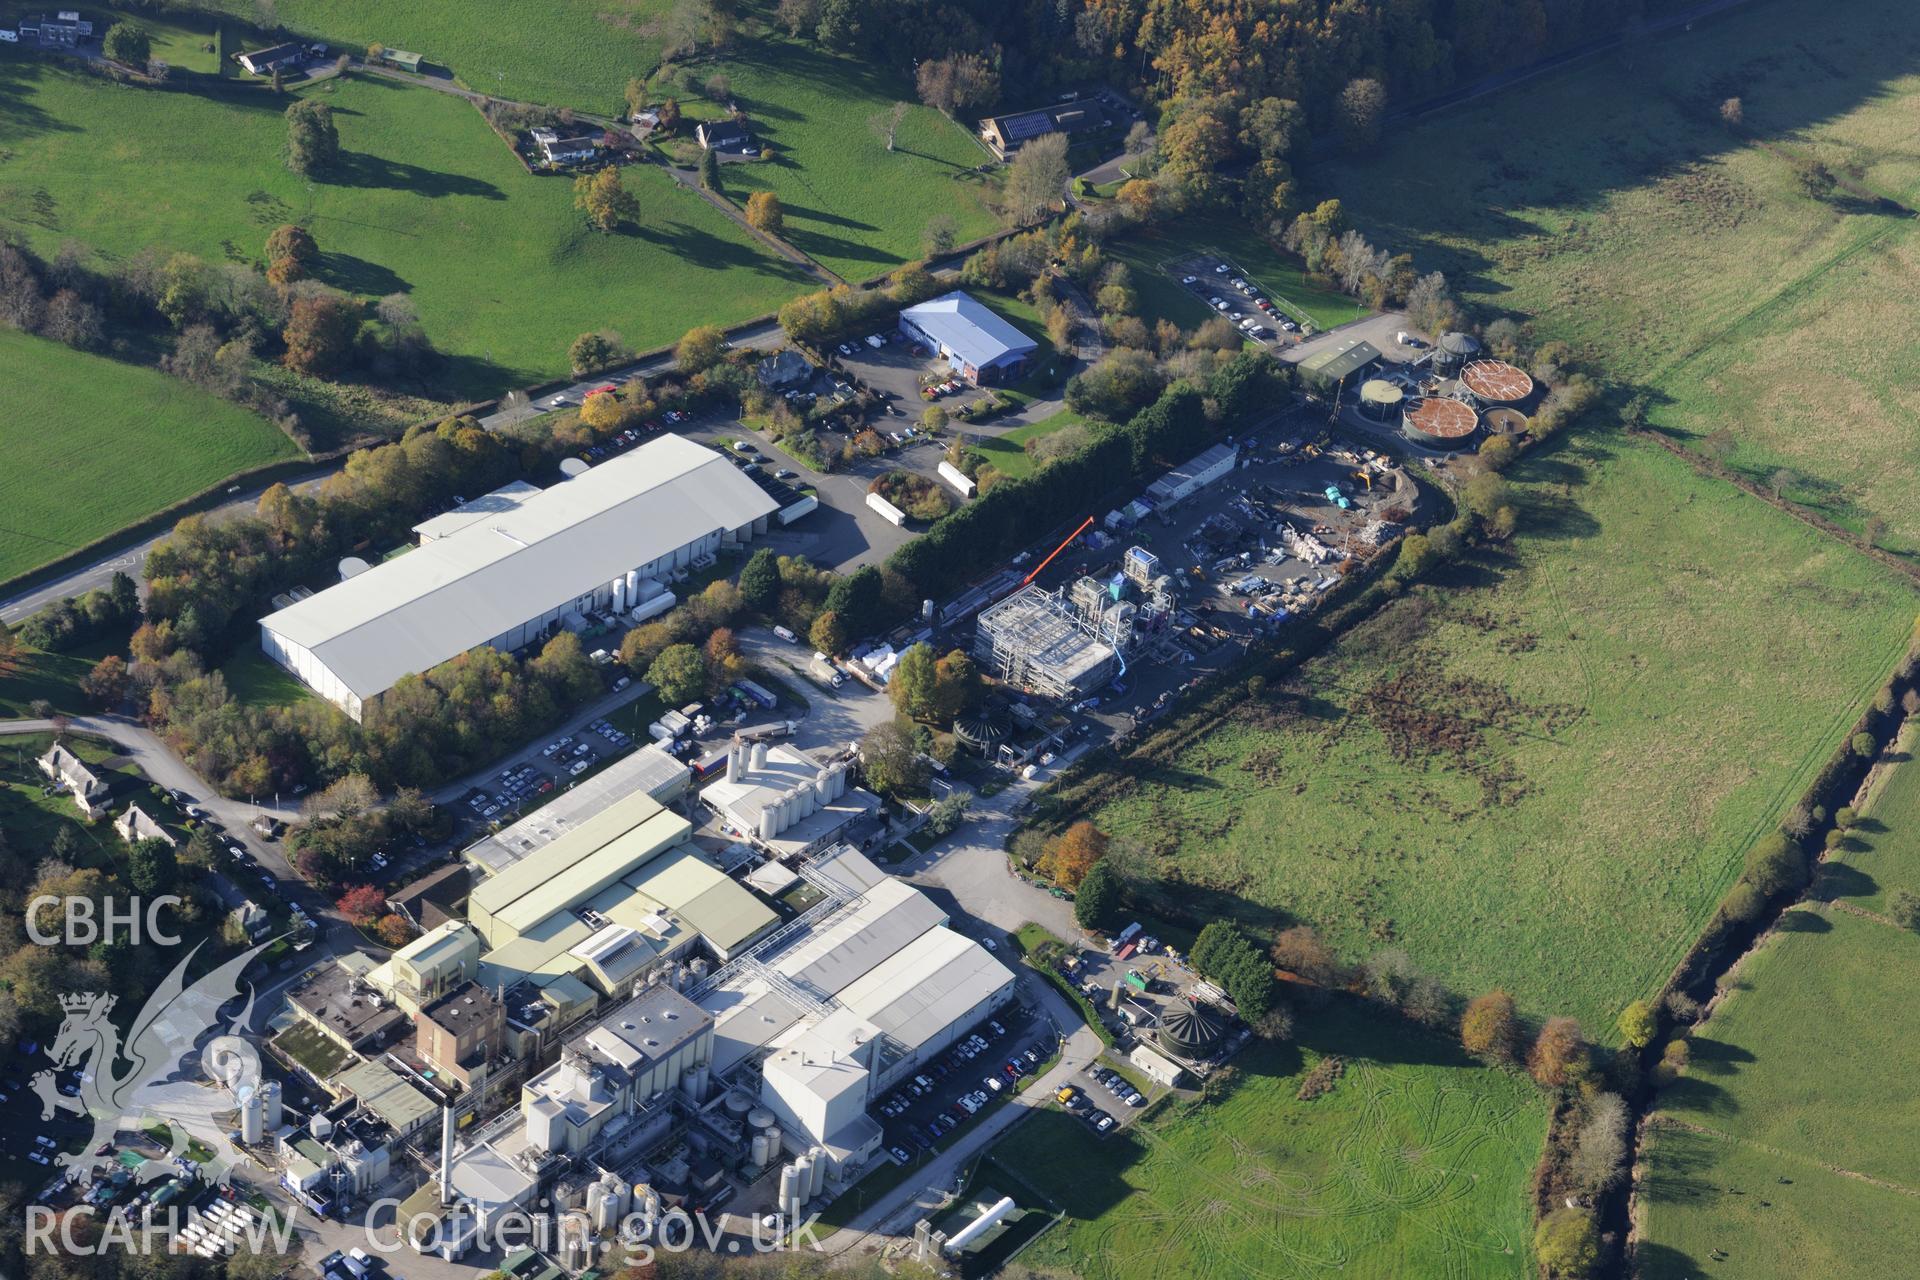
263, 62
64, 769
558, 149
977, 343
136, 825
65, 30
728, 137
510, 581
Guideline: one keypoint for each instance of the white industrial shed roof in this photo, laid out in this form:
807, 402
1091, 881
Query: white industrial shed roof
848, 945
921, 989
969, 329
482, 580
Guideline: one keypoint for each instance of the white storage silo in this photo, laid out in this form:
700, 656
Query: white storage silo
803, 1178
270, 1096
759, 758
253, 1115
633, 586
817, 1174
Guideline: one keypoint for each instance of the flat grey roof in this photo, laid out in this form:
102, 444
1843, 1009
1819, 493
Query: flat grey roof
418, 610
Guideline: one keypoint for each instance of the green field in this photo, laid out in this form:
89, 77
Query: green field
1612, 206
573, 53
1793, 1141
256, 679
89, 445
503, 270
1882, 853
1415, 1165
1541, 771
850, 204
1008, 452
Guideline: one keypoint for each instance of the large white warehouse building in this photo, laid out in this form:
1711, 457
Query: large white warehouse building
506, 577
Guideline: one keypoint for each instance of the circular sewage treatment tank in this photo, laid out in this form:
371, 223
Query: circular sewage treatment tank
1505, 422
1190, 1030
1496, 382
1436, 422
1380, 399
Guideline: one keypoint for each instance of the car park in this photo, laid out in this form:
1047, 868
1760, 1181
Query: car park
1100, 1120
900, 1154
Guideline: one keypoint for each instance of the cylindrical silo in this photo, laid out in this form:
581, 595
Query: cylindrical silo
787, 1180
270, 1095
759, 760
253, 1115
769, 817
803, 1179
633, 586
817, 1174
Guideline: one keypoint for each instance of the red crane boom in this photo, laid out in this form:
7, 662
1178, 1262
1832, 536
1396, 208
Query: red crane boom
1056, 551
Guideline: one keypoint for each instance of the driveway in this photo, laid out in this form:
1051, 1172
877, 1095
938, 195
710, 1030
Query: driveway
1381, 330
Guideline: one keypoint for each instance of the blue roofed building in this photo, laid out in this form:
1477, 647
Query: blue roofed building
979, 345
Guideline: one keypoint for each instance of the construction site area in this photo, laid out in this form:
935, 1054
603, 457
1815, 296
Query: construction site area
1223, 548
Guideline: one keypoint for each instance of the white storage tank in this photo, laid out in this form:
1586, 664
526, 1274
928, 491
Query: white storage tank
817, 1175
253, 1115
270, 1095
619, 587
761, 1151
803, 1178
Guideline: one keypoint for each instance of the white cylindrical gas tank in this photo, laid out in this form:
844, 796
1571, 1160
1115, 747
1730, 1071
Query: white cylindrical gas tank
633, 586
270, 1095
769, 823
759, 760
803, 1178
761, 1151
619, 595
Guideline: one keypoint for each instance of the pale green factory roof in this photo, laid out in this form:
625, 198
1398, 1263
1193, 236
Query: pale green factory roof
575, 867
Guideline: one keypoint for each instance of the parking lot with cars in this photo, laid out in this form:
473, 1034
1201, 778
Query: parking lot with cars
559, 762
984, 1066
1230, 293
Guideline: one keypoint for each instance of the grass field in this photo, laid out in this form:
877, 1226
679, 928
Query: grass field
256, 679
1793, 1141
852, 205
52, 677
1008, 453
88, 445
501, 267
1415, 1165
1883, 852
1612, 206
1543, 770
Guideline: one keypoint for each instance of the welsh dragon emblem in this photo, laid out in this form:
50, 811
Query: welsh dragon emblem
147, 1077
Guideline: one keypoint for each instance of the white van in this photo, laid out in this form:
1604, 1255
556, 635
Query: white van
786, 635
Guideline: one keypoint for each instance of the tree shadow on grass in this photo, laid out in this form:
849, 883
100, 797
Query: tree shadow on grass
1803, 921
1841, 880
820, 215
358, 169
357, 275
704, 249
817, 246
